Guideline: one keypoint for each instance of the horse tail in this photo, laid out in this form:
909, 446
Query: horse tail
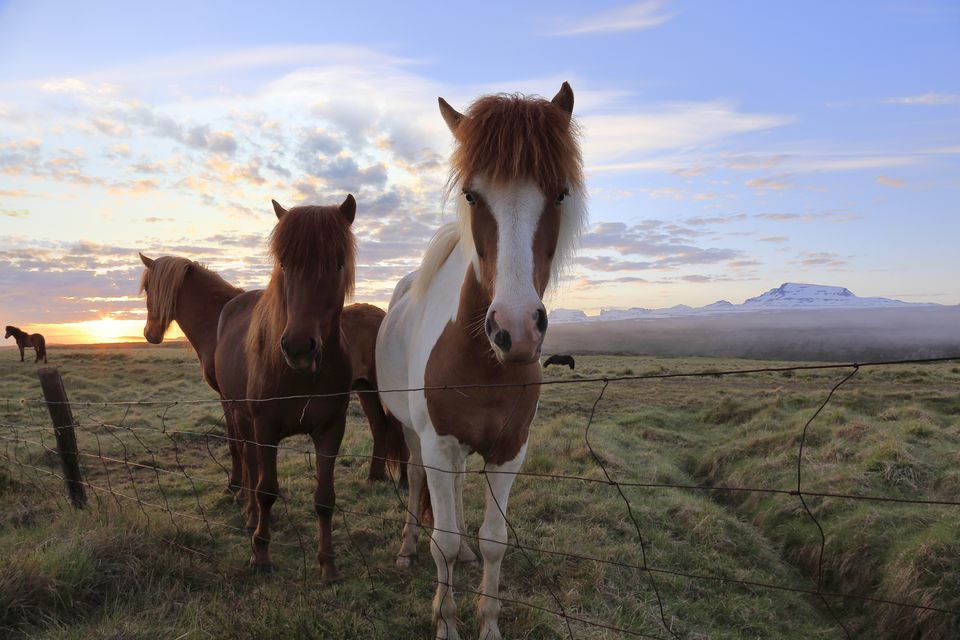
396, 448
426, 510
42, 347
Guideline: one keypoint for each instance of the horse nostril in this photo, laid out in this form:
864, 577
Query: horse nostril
540, 318
502, 340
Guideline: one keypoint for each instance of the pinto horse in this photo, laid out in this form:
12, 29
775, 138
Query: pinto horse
473, 315
25, 339
286, 341
183, 290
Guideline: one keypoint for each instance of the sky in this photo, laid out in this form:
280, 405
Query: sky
729, 146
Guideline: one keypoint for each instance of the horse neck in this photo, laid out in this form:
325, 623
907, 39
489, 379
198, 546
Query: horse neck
199, 302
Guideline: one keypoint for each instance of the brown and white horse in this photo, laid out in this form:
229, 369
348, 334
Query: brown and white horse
24, 339
473, 315
286, 341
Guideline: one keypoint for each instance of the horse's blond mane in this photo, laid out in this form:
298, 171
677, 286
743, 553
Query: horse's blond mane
163, 280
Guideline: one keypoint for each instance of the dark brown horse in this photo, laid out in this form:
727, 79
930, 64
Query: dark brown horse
36, 341
183, 290
286, 341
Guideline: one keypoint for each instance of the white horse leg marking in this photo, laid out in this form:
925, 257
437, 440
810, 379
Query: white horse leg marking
493, 538
445, 540
407, 557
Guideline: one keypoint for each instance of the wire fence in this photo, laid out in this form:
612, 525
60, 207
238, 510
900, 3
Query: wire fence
125, 464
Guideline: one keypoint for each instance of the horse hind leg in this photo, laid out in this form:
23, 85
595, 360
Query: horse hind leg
407, 556
377, 419
327, 443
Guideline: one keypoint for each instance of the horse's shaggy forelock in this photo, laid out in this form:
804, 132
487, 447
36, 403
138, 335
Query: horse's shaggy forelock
507, 138
510, 137
313, 239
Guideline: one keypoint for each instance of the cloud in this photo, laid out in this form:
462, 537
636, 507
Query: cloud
822, 259
632, 17
776, 183
15, 213
830, 216
926, 99
887, 181
775, 239
664, 245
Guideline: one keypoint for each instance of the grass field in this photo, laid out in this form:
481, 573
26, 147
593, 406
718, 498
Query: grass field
125, 568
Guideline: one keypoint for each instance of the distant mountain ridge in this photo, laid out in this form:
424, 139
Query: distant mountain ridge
788, 296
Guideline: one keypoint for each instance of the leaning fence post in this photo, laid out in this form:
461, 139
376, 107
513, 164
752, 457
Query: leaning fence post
62, 417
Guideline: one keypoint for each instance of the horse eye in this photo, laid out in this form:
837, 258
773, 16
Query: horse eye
560, 198
470, 199
340, 268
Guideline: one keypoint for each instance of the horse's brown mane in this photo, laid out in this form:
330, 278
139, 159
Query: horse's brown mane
508, 138
309, 238
165, 278
511, 137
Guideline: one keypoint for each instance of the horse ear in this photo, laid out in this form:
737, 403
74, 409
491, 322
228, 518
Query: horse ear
147, 262
349, 208
564, 98
450, 115
278, 209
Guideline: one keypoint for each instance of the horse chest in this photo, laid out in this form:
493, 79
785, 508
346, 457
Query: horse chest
494, 420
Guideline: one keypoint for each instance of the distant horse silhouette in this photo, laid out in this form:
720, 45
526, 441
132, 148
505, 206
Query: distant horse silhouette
183, 290
25, 339
473, 315
186, 291
559, 360
286, 341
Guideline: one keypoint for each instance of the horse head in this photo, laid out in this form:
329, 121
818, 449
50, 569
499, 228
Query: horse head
314, 261
518, 166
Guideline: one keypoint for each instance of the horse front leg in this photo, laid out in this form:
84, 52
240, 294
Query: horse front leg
235, 483
20, 346
327, 444
439, 461
268, 490
493, 539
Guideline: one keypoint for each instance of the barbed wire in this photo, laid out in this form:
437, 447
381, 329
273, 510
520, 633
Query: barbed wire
17, 436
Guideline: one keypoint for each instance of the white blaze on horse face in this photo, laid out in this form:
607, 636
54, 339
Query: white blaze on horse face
514, 324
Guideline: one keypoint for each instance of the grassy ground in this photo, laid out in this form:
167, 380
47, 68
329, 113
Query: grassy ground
129, 569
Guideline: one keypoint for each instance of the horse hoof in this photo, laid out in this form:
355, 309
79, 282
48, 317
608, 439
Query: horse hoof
263, 569
331, 576
407, 562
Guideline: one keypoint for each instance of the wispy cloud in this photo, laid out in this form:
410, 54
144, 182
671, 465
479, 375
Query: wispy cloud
632, 17
887, 181
927, 99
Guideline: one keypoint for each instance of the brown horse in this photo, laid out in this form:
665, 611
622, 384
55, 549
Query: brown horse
34, 340
183, 290
473, 314
286, 341
360, 324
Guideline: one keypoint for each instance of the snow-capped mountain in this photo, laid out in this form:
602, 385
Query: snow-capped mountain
789, 295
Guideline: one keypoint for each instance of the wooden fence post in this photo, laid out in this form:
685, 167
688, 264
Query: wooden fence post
62, 417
